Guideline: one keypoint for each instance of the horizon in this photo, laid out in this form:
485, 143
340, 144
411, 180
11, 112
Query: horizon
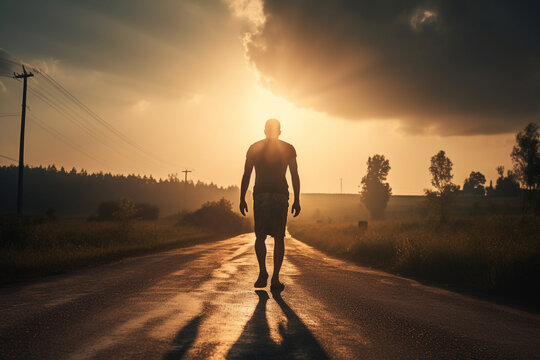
191, 84
194, 181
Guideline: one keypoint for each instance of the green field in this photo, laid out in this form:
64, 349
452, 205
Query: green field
498, 254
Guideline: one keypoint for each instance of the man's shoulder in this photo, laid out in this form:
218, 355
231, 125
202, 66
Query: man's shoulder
255, 149
260, 146
286, 144
288, 147
256, 145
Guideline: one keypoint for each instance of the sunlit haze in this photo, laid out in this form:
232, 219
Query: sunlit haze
182, 79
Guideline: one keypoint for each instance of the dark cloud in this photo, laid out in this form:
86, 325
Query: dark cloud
452, 67
142, 43
8, 64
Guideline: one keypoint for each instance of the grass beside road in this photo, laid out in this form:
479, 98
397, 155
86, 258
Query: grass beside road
37, 249
32, 246
497, 255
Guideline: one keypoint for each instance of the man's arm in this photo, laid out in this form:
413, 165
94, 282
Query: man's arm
293, 166
248, 168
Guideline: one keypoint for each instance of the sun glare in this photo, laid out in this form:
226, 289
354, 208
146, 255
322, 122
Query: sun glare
266, 105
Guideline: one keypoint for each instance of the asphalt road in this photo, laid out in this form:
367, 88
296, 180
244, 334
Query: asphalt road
199, 302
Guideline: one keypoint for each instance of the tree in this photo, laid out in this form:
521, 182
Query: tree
490, 189
474, 184
375, 191
526, 157
125, 210
500, 171
445, 190
506, 186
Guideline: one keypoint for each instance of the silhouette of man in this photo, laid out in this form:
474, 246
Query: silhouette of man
270, 157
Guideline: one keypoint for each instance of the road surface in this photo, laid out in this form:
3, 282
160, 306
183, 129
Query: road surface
199, 302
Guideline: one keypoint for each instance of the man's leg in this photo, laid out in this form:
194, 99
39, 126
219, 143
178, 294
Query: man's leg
279, 252
260, 250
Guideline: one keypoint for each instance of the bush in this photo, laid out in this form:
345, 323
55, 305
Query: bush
218, 217
146, 211
124, 209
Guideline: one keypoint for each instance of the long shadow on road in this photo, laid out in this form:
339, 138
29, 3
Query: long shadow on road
184, 339
255, 341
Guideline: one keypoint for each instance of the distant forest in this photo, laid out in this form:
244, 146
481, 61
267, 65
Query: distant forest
78, 193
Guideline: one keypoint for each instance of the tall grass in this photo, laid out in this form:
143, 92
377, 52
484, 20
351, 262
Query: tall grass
495, 254
33, 246
29, 249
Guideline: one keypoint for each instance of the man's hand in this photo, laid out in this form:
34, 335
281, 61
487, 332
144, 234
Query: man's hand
295, 209
243, 207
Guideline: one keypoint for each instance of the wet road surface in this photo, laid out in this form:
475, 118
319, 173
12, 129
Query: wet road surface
199, 303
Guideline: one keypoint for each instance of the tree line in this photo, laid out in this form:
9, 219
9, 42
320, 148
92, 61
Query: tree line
79, 193
523, 180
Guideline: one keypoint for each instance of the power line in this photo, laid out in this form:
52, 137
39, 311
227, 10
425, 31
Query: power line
69, 106
79, 122
57, 97
65, 105
87, 127
14, 64
51, 131
100, 120
8, 158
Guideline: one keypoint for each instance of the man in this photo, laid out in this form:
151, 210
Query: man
270, 157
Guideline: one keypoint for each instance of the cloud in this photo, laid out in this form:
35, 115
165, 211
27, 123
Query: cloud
250, 9
448, 67
423, 17
158, 49
8, 64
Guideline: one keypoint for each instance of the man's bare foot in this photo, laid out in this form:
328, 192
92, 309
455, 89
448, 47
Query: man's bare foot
261, 281
276, 285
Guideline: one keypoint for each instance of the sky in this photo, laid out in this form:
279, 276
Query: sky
192, 82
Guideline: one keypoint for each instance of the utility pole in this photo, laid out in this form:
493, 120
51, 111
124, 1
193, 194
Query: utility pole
185, 187
24, 75
341, 184
186, 172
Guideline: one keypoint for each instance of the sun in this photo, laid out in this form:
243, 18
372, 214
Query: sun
266, 105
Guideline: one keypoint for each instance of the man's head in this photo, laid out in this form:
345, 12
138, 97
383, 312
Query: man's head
272, 129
